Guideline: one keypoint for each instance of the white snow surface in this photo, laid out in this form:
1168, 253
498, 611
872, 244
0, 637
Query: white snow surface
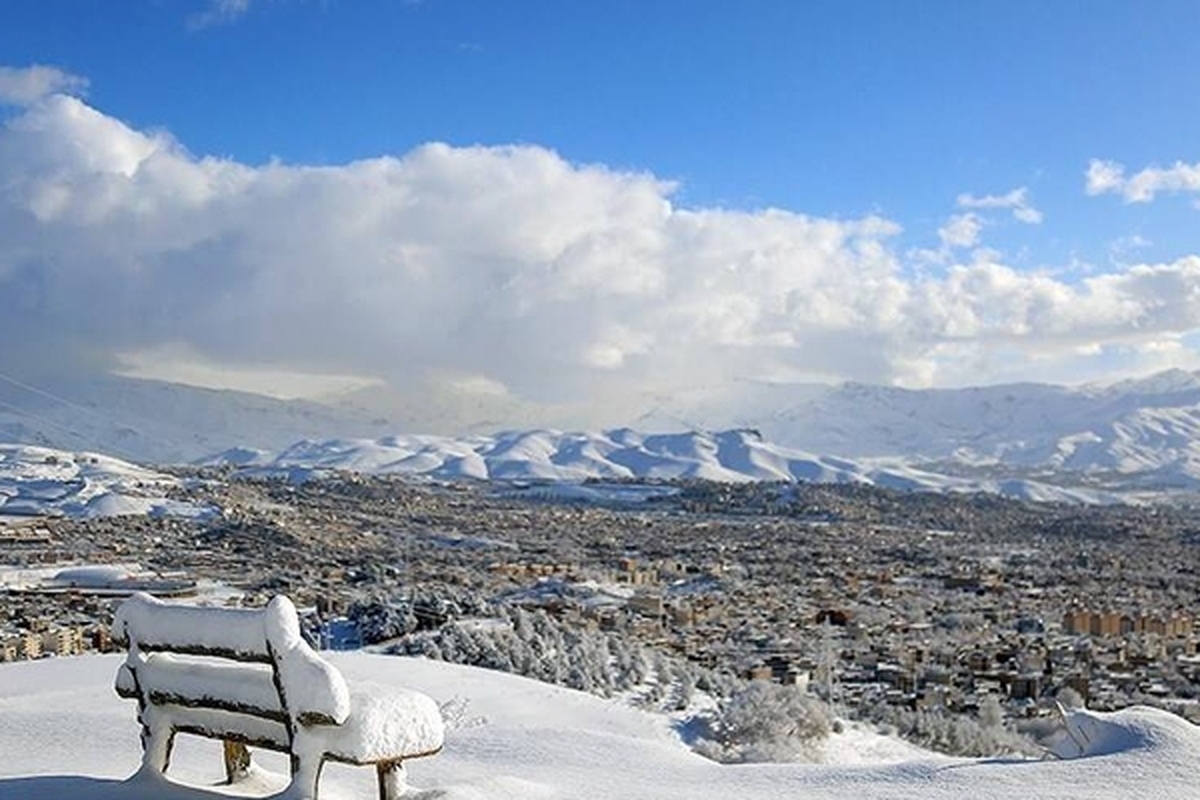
557, 456
40, 480
65, 734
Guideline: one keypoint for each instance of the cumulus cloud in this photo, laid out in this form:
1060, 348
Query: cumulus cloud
961, 230
24, 86
964, 230
1108, 177
507, 267
1103, 177
1016, 201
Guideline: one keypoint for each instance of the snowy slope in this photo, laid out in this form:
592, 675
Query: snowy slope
1138, 435
1129, 426
66, 735
734, 456
38, 480
154, 422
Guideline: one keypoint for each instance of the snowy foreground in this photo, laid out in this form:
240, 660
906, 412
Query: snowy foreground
65, 734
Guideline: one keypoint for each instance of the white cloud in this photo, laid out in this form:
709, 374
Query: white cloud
1108, 177
961, 230
219, 12
24, 86
1121, 248
1016, 201
1104, 177
552, 281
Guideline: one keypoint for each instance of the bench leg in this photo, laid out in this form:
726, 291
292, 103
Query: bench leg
237, 761
306, 777
392, 780
157, 741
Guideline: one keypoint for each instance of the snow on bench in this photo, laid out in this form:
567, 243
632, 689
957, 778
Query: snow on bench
248, 678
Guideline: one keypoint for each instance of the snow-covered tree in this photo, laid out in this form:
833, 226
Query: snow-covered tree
767, 722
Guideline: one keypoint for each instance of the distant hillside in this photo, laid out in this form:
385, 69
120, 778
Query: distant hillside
1128, 436
1035, 440
155, 422
543, 455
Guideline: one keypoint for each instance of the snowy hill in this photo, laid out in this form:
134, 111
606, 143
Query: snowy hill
1136, 434
38, 480
154, 422
66, 735
543, 455
1019, 423
1033, 440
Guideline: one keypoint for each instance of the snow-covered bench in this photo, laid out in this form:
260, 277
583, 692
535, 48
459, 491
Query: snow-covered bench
248, 678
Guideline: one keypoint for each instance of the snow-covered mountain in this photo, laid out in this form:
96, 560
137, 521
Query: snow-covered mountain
68, 735
155, 422
545, 455
1136, 435
39, 481
1014, 421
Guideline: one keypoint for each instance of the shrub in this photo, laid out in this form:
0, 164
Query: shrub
766, 722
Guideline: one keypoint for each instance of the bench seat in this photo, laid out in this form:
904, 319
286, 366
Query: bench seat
383, 720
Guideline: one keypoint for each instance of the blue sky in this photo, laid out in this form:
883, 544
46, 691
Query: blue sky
968, 130
829, 108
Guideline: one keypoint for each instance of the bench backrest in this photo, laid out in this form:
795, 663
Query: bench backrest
308, 689
239, 634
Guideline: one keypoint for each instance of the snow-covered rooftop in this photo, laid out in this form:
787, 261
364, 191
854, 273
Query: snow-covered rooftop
91, 576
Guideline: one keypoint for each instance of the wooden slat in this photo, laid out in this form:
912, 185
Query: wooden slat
218, 704
234, 736
197, 650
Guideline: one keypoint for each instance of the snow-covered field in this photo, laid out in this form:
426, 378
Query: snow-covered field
64, 734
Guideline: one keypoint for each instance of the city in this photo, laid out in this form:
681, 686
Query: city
866, 598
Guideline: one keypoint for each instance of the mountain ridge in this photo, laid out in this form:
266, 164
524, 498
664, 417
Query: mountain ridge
620, 454
1134, 435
